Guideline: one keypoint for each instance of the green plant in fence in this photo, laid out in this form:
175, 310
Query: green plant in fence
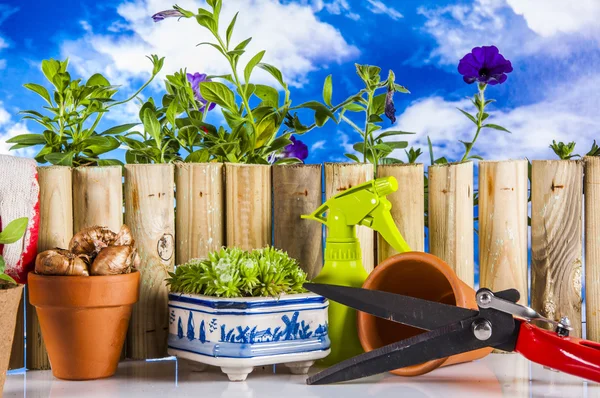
74, 111
254, 113
565, 151
12, 233
232, 272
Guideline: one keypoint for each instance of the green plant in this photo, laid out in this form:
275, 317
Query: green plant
12, 233
254, 113
74, 110
232, 272
373, 147
565, 151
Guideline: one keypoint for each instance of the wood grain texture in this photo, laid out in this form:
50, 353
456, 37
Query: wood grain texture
17, 354
556, 239
592, 246
56, 230
408, 207
340, 177
451, 217
149, 212
200, 216
98, 197
248, 205
297, 190
503, 226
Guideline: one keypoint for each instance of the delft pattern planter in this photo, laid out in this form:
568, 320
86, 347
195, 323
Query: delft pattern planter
238, 334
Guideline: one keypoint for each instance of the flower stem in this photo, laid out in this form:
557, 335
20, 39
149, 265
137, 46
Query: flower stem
366, 132
481, 111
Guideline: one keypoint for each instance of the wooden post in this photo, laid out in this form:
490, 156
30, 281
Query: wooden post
297, 190
340, 177
451, 217
17, 354
556, 239
408, 207
592, 247
98, 197
503, 226
200, 212
56, 230
149, 212
248, 205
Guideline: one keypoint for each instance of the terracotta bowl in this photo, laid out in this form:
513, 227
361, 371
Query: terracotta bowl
84, 321
421, 275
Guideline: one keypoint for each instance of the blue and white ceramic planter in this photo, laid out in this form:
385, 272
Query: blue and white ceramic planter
238, 334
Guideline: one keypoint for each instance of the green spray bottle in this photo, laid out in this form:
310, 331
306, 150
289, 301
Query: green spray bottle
367, 205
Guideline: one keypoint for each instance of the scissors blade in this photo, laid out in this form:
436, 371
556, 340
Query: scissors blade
440, 343
423, 314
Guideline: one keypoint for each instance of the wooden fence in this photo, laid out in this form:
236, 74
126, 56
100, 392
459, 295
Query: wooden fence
183, 211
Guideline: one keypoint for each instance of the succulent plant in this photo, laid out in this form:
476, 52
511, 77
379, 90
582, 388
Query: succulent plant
232, 272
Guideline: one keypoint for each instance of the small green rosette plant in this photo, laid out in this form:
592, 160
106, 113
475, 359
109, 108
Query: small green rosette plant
232, 272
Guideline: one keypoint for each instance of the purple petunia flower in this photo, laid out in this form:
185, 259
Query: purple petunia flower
159, 16
484, 65
297, 149
195, 81
390, 109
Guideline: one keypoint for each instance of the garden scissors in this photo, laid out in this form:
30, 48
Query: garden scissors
499, 323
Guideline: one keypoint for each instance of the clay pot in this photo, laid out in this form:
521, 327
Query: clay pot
421, 275
84, 321
9, 307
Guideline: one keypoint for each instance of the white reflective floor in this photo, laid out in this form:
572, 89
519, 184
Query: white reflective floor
498, 375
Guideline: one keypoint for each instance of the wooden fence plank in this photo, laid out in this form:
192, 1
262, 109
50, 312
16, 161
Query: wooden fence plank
200, 216
149, 212
297, 190
340, 177
451, 217
408, 207
592, 247
56, 230
503, 226
556, 239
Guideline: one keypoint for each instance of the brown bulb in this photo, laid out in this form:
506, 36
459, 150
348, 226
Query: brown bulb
61, 262
91, 240
114, 260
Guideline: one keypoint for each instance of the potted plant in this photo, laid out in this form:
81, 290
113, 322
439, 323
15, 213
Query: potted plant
83, 298
10, 296
239, 309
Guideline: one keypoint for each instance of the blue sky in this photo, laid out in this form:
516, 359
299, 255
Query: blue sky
550, 95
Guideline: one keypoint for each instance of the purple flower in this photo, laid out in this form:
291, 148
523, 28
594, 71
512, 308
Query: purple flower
484, 65
390, 110
297, 149
159, 16
195, 81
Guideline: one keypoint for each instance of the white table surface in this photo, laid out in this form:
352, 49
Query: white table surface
498, 375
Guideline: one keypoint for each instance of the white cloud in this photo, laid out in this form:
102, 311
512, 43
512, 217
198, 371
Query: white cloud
9, 129
3, 43
558, 16
294, 40
318, 145
566, 113
378, 7
4, 115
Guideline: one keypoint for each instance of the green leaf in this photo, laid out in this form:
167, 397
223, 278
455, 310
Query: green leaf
27, 139
430, 150
401, 89
3, 276
230, 28
397, 144
278, 143
13, 231
40, 90
100, 144
219, 94
200, 156
328, 90
471, 117
266, 128
97, 80
242, 45
495, 127
109, 162
251, 64
119, 129
392, 133
316, 106
268, 95
276, 73
383, 147
375, 119
216, 46
352, 157
288, 161
441, 160
152, 125
378, 107
50, 67
354, 107
359, 147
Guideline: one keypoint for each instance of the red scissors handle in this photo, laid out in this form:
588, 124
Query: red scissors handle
571, 355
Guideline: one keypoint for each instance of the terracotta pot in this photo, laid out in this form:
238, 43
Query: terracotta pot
9, 306
421, 275
84, 321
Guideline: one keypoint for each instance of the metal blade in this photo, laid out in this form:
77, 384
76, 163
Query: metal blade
443, 342
412, 311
